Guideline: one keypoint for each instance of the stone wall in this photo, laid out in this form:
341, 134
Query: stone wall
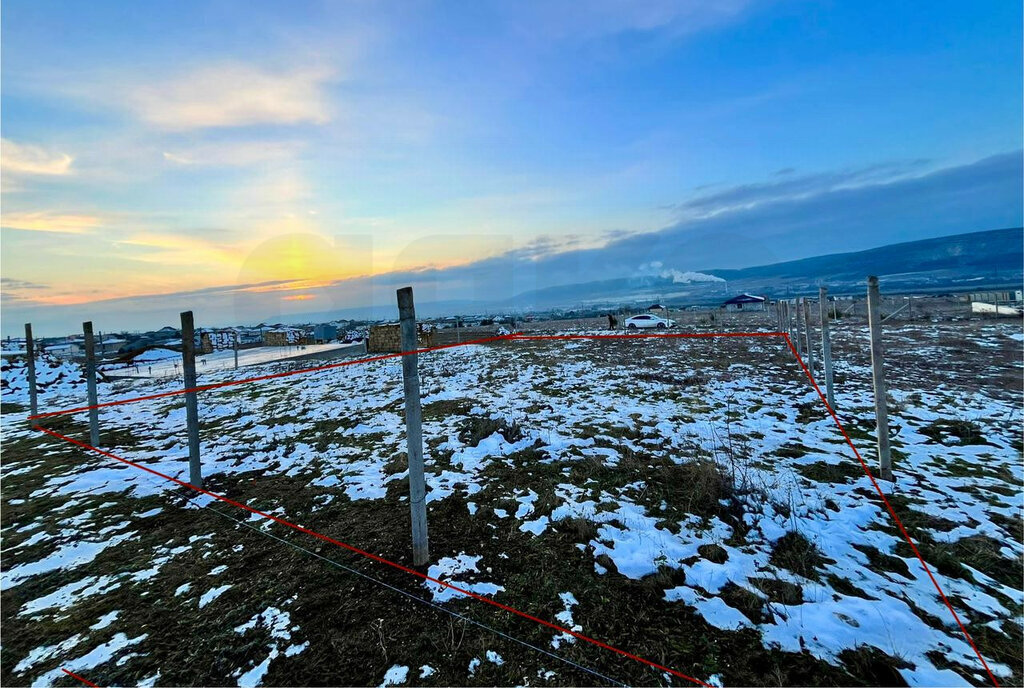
385, 339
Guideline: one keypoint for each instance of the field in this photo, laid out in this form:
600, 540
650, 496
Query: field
688, 501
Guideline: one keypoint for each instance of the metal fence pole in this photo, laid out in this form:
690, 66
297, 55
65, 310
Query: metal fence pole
826, 347
90, 384
878, 379
413, 427
30, 352
188, 361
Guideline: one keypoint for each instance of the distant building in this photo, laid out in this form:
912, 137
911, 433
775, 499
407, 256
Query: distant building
745, 302
217, 340
65, 350
285, 336
387, 338
322, 334
656, 308
996, 296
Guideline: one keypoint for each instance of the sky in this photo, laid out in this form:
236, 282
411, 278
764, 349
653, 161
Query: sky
253, 160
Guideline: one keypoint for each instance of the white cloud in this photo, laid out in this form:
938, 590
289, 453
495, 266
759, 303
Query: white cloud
594, 18
28, 159
47, 221
234, 154
234, 94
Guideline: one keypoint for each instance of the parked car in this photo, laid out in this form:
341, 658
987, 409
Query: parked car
648, 321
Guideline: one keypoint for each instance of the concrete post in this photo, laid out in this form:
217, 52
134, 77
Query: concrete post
826, 347
236, 349
799, 325
188, 361
878, 379
808, 335
30, 352
90, 384
413, 427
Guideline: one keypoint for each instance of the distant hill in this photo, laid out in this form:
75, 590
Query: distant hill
976, 260
974, 254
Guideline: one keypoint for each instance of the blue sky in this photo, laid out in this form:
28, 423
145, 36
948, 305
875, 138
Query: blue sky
161, 148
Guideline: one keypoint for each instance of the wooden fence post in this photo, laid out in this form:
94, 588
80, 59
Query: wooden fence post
878, 379
188, 362
809, 335
90, 384
413, 427
30, 352
826, 347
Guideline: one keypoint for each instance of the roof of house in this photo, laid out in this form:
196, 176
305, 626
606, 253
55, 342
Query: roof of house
745, 298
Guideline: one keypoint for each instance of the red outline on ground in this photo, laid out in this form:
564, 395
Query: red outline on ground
509, 337
382, 560
72, 675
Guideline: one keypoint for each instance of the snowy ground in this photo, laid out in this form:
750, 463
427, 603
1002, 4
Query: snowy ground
686, 500
170, 366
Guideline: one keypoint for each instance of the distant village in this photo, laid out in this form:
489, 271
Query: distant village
128, 348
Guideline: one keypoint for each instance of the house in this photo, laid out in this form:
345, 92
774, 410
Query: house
217, 340
387, 338
65, 350
656, 308
323, 334
745, 302
285, 336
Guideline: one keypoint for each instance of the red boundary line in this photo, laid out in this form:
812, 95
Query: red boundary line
517, 336
892, 512
376, 558
73, 675
288, 373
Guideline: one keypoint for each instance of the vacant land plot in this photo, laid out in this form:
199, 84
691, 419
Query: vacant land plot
688, 501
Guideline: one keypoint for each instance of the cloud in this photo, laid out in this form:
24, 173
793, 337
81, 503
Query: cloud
793, 188
596, 18
231, 95
46, 221
22, 158
11, 283
986, 194
234, 154
179, 249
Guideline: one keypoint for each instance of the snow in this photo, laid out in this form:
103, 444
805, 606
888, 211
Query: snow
277, 624
212, 594
396, 675
963, 483
446, 570
105, 620
98, 655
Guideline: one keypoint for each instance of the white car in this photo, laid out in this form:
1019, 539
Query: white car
639, 322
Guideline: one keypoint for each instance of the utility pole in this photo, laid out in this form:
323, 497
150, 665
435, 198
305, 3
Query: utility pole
413, 426
188, 361
30, 352
90, 384
826, 346
878, 379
